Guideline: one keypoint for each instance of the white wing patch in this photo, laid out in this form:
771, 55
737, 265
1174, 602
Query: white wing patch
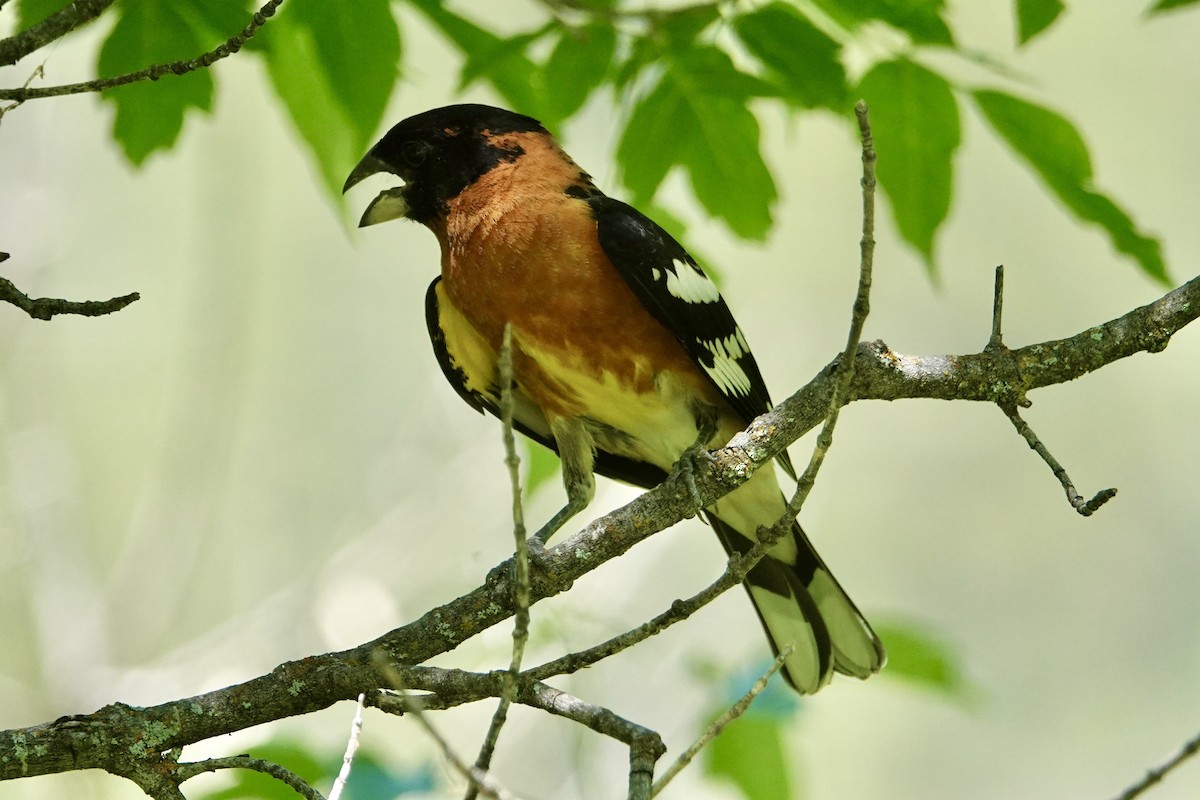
691, 285
726, 372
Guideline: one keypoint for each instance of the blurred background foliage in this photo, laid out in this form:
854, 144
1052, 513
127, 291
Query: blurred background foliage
259, 461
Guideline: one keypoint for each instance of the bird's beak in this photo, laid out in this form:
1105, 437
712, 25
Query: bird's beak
388, 205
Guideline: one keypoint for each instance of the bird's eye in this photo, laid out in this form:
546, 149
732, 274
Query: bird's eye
414, 152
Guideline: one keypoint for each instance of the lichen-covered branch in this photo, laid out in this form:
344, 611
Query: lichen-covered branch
125, 740
151, 73
55, 26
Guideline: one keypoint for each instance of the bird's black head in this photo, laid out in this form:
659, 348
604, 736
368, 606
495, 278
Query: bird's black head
437, 154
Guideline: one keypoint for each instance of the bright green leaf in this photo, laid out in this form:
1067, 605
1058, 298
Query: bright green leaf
917, 656
710, 71
513, 77
725, 165
149, 115
334, 73
681, 27
577, 66
646, 152
1170, 5
914, 118
319, 115
920, 19
803, 58
750, 754
217, 19
1035, 16
643, 52
31, 12
358, 46
479, 63
696, 119
1057, 153
541, 466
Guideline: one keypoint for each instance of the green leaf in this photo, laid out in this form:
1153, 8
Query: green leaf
643, 53
681, 27
1170, 5
914, 119
577, 66
1057, 153
917, 656
218, 20
478, 63
700, 69
31, 12
1035, 16
513, 77
920, 19
334, 73
358, 46
696, 117
645, 154
749, 753
149, 115
802, 57
541, 466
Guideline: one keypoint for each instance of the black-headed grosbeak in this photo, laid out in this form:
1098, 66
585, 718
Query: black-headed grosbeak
623, 349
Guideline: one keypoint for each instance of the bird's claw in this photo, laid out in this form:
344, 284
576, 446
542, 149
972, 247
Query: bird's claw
686, 468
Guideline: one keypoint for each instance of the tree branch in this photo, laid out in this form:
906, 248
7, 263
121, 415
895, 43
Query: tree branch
151, 73
121, 738
55, 26
1153, 776
190, 770
46, 307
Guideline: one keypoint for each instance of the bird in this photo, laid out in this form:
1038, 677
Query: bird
625, 356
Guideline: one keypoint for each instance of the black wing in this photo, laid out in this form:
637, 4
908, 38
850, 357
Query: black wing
673, 287
623, 469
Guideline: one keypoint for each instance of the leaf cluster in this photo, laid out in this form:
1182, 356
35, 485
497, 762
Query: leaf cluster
694, 81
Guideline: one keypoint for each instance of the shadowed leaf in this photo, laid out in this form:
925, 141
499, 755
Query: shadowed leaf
915, 121
1057, 153
1035, 16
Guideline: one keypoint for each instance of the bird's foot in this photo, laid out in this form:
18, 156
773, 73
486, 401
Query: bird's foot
686, 467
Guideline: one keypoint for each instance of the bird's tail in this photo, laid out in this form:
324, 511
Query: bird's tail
801, 604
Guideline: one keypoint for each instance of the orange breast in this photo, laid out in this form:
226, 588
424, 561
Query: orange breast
533, 259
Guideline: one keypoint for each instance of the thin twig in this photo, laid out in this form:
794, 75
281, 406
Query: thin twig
339, 784
299, 785
1156, 774
47, 307
997, 309
521, 590
1085, 507
645, 745
481, 781
736, 570
38, 72
1010, 403
844, 373
156, 71
718, 725
70, 743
